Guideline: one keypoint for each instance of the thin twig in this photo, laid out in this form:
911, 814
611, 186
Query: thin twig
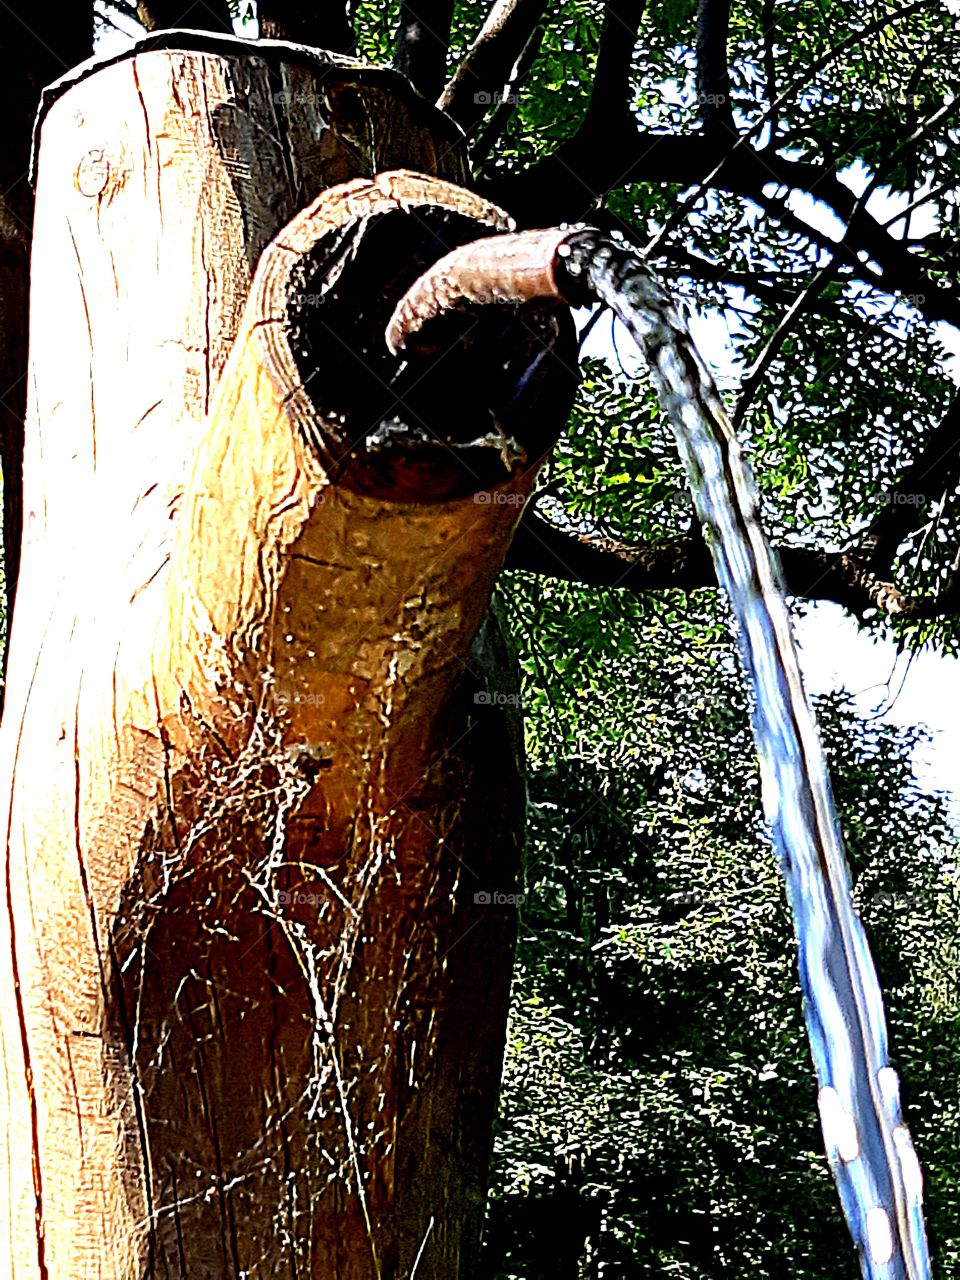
494, 127
754, 377
487, 65
769, 32
713, 71
950, 185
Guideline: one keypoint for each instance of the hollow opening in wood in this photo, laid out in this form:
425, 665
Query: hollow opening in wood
482, 393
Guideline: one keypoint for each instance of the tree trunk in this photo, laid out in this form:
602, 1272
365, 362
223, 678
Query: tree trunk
262, 786
40, 43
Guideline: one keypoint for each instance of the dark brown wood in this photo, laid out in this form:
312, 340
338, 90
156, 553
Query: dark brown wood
713, 71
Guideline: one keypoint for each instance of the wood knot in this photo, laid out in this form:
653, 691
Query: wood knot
93, 173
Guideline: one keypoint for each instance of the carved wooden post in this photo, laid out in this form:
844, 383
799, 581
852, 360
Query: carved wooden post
253, 986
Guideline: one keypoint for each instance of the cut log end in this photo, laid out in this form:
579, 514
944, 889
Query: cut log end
481, 395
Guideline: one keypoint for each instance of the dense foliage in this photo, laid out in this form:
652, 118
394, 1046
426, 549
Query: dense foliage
833, 250
659, 1107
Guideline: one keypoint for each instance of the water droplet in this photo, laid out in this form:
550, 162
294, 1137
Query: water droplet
889, 1087
909, 1164
879, 1236
839, 1126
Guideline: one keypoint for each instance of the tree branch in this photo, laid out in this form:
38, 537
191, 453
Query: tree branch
777, 288
324, 24
754, 377
802, 303
526, 179
935, 194
934, 472
609, 107
768, 31
423, 38
713, 72
544, 547
540, 546
565, 185
490, 60
495, 125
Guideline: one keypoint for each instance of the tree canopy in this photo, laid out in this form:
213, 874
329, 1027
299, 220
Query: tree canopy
659, 1100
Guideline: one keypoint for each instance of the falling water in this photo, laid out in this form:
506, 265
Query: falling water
869, 1147
870, 1150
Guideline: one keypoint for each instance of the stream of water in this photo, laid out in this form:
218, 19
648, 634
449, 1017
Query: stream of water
870, 1150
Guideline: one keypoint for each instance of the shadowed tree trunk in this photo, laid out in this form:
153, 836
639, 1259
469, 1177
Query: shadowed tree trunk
327, 25
262, 787
207, 15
